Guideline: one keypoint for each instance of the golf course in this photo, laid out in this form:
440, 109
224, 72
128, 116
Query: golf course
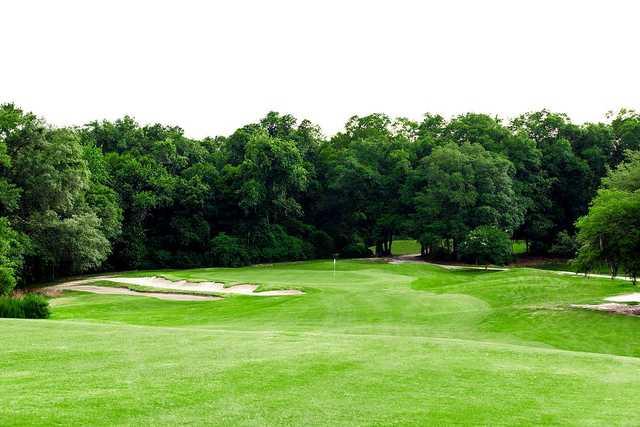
369, 343
448, 267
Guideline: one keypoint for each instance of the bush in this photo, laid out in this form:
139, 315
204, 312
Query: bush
30, 306
273, 243
7, 280
11, 307
486, 245
228, 251
564, 246
35, 306
355, 250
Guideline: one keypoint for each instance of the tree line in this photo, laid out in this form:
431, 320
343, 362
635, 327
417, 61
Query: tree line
119, 195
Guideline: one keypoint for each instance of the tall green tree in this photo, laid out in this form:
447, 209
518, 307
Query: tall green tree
573, 160
367, 165
48, 167
461, 187
626, 130
610, 232
530, 182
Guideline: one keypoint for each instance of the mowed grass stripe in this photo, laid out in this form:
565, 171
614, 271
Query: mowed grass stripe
150, 374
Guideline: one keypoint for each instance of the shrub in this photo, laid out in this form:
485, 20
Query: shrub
30, 306
228, 251
188, 259
355, 250
564, 246
273, 243
11, 307
486, 245
35, 306
282, 247
7, 280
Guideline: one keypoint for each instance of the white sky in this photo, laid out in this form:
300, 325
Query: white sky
212, 66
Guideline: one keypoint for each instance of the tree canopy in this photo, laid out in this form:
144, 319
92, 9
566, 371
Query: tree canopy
610, 232
121, 195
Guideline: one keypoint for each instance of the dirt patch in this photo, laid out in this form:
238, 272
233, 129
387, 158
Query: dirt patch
533, 261
611, 307
50, 292
183, 285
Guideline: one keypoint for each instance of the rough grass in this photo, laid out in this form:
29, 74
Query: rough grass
371, 344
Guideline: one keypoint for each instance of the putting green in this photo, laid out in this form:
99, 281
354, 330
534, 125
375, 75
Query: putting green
372, 343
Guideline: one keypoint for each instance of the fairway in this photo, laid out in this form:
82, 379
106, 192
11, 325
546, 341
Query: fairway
369, 344
238, 214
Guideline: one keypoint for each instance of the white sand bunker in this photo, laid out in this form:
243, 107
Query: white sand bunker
85, 286
183, 285
159, 295
625, 298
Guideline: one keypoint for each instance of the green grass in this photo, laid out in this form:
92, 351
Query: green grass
406, 247
519, 247
371, 344
402, 247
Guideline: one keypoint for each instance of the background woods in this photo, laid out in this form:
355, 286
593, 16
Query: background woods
118, 195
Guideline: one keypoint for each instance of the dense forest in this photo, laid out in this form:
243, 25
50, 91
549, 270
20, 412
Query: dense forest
118, 195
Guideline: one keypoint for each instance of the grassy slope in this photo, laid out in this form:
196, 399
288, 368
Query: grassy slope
373, 344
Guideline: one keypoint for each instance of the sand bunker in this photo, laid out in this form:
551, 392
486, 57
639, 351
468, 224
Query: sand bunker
625, 298
183, 285
164, 285
84, 285
159, 295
